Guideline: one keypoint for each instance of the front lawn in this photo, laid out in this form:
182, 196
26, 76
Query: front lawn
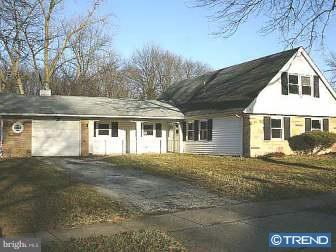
150, 240
243, 178
36, 196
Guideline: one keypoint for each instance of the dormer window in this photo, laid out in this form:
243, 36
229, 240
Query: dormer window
306, 85
293, 84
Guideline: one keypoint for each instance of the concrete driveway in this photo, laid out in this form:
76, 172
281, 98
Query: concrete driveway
139, 190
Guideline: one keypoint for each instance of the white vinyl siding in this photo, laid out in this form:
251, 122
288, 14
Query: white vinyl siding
151, 143
107, 145
55, 138
227, 139
131, 139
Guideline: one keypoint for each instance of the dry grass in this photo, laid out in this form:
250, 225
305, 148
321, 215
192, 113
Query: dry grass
149, 240
246, 178
36, 196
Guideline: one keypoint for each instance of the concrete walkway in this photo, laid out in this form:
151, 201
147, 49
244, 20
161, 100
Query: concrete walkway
238, 227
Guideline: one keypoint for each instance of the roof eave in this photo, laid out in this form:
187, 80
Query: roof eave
25, 115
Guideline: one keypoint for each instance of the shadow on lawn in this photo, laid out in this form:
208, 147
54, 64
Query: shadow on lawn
31, 196
268, 190
303, 165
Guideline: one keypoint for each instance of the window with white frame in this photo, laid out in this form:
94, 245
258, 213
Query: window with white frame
276, 128
293, 84
103, 129
306, 85
316, 124
148, 129
203, 130
190, 131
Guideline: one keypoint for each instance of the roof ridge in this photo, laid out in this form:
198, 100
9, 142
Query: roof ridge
76, 96
263, 57
232, 86
241, 63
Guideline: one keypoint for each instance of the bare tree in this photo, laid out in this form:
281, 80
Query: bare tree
331, 62
111, 80
39, 46
298, 21
57, 35
16, 17
88, 47
142, 70
151, 70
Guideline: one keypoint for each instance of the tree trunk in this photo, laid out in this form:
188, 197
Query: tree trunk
17, 77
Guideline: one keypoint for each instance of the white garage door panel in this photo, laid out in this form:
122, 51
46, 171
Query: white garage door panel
56, 138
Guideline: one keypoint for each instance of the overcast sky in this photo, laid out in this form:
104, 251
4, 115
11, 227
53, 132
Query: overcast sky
175, 26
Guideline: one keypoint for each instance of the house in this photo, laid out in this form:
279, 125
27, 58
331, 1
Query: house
79, 126
252, 108
247, 109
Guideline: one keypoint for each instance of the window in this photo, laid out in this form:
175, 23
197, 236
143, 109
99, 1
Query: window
293, 84
316, 124
17, 127
103, 129
203, 130
148, 129
190, 131
276, 128
306, 85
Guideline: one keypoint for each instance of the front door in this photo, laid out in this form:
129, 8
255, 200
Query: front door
173, 138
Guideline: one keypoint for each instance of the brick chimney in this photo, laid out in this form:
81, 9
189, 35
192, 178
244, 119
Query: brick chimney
46, 91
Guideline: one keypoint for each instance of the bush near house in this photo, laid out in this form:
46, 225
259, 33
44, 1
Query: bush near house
312, 142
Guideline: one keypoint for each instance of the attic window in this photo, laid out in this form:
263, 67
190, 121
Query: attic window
293, 84
306, 85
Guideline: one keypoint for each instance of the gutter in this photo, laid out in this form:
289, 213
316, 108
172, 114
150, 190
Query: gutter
88, 116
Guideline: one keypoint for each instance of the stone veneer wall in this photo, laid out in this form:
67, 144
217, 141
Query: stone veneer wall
17, 145
255, 145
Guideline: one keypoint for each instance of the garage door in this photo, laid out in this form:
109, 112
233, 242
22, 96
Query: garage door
55, 138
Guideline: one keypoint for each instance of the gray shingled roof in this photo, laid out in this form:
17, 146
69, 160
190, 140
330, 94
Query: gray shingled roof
79, 106
229, 89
